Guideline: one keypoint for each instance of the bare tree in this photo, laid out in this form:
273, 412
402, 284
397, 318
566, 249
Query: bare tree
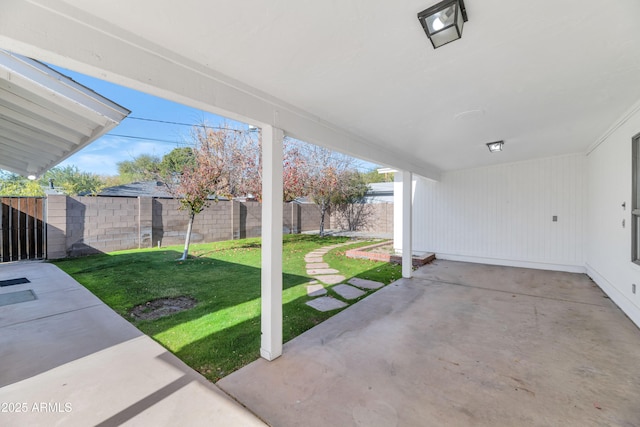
226, 162
324, 170
350, 201
219, 156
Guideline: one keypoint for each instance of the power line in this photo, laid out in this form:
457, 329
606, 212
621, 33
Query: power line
161, 121
146, 138
186, 124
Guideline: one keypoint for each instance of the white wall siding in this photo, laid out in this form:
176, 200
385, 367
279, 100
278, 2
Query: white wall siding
608, 248
503, 214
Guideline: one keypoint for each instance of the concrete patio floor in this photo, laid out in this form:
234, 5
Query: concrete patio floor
460, 344
66, 359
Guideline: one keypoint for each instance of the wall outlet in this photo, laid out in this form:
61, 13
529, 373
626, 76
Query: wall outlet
633, 288
555, 218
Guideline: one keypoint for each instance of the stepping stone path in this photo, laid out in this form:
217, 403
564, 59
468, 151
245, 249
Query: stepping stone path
320, 270
326, 304
316, 290
365, 284
348, 292
316, 271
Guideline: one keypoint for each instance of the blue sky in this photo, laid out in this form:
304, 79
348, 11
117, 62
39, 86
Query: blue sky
101, 156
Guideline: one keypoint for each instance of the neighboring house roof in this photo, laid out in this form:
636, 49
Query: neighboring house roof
380, 192
137, 189
140, 189
46, 116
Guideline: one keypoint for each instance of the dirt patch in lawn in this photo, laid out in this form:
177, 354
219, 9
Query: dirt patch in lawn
162, 307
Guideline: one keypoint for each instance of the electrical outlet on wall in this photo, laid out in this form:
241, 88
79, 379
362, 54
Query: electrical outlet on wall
633, 288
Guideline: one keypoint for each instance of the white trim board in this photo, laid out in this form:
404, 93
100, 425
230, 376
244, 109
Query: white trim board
629, 309
513, 263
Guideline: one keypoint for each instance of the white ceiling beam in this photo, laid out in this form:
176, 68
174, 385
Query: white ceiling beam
58, 33
43, 109
26, 153
14, 165
31, 136
38, 123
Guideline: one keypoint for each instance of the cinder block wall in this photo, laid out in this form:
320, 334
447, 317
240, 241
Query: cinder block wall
213, 224
56, 217
379, 219
101, 224
310, 218
83, 225
79, 226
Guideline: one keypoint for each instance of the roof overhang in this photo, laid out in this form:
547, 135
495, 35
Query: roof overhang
360, 77
46, 117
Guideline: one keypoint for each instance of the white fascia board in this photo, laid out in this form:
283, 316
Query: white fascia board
90, 45
48, 83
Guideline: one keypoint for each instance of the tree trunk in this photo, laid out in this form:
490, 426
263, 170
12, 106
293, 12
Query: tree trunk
323, 211
187, 239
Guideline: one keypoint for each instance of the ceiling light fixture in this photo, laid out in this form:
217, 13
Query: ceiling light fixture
443, 22
495, 146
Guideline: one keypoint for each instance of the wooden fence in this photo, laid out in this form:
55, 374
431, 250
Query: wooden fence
22, 226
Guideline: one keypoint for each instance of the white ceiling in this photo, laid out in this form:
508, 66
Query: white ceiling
45, 117
548, 77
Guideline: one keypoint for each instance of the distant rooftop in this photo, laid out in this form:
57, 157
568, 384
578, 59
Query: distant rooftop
380, 192
137, 189
140, 189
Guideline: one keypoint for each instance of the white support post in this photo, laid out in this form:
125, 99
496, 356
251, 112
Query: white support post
271, 282
407, 263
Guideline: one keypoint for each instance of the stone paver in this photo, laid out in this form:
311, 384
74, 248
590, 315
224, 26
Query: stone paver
316, 254
321, 271
348, 292
337, 245
326, 304
317, 265
316, 271
330, 279
365, 284
316, 290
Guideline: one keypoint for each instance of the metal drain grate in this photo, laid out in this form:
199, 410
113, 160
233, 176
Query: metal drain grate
16, 297
11, 282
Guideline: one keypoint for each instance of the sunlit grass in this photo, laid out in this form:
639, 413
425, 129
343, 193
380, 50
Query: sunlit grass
222, 332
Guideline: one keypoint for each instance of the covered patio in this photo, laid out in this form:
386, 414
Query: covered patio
458, 344
461, 344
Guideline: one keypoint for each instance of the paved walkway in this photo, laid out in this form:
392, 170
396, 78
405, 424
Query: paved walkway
458, 345
322, 273
67, 359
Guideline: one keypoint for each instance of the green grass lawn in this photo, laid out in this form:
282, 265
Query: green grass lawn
222, 332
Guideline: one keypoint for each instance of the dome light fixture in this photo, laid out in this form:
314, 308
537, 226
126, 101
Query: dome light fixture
443, 22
